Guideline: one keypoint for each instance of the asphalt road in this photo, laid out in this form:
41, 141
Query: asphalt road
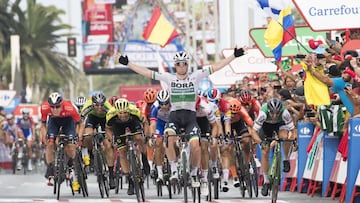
32, 188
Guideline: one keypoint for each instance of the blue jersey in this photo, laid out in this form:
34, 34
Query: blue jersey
160, 116
339, 85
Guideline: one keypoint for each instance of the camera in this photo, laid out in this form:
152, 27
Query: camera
310, 114
277, 87
300, 56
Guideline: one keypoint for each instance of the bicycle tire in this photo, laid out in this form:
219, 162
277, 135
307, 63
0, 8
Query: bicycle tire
167, 176
98, 171
184, 175
142, 191
246, 175
117, 174
14, 161
254, 175
276, 179
209, 180
240, 172
60, 171
133, 172
80, 171
25, 159
216, 188
105, 173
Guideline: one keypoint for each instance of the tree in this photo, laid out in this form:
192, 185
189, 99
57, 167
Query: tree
40, 29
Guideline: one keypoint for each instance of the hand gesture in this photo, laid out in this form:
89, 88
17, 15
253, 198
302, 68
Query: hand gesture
123, 59
239, 51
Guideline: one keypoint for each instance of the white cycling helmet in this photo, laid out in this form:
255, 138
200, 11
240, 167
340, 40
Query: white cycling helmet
163, 96
181, 56
80, 101
55, 98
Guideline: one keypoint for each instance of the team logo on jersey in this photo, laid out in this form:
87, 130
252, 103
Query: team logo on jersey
182, 85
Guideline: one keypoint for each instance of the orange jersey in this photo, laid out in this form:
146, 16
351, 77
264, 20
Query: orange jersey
242, 114
67, 110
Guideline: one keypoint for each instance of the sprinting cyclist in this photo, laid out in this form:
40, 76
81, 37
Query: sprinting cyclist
12, 133
160, 112
149, 99
251, 104
59, 116
27, 126
206, 119
94, 113
183, 88
273, 117
121, 119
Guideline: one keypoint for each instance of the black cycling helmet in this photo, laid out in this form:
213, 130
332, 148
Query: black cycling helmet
274, 105
98, 98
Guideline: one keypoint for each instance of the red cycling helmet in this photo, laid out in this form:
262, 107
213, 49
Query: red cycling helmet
139, 103
245, 97
113, 99
150, 95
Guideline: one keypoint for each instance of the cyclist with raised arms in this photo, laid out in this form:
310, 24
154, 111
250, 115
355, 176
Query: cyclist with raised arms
121, 119
273, 117
183, 88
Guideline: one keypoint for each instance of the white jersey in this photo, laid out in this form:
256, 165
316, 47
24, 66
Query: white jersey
205, 110
183, 92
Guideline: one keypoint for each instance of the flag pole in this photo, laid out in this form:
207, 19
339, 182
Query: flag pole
294, 37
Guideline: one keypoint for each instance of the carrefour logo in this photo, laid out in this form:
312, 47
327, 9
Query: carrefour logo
356, 132
305, 131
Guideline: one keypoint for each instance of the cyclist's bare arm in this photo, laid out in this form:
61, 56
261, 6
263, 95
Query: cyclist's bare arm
43, 131
108, 133
222, 63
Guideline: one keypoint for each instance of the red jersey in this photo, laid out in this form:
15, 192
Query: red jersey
67, 110
145, 110
224, 109
253, 107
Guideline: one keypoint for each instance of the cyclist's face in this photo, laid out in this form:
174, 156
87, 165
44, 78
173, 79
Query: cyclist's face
274, 116
98, 107
55, 110
181, 68
123, 116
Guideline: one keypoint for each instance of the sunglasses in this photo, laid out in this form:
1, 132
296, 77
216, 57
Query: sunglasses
98, 104
55, 107
163, 103
181, 63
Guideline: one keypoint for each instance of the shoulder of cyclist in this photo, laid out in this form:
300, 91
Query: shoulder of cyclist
87, 108
133, 110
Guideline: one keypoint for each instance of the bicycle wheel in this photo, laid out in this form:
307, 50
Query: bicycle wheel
14, 161
209, 180
105, 173
133, 174
276, 178
60, 175
185, 177
25, 159
98, 171
167, 177
80, 171
117, 174
246, 175
240, 171
254, 175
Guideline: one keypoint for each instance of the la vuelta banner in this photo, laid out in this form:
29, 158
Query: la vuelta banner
97, 25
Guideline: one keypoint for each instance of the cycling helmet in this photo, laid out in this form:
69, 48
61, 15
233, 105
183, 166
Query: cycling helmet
112, 100
122, 105
80, 101
235, 106
55, 98
150, 95
274, 105
98, 98
9, 116
181, 56
245, 96
25, 111
213, 95
163, 96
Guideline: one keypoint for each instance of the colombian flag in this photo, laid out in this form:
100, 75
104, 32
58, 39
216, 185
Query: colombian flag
159, 30
280, 32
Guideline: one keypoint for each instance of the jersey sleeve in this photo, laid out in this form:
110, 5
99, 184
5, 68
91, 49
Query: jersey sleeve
246, 117
87, 108
259, 121
154, 112
109, 115
45, 111
286, 116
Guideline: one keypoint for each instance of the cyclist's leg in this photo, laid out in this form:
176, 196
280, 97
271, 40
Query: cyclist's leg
171, 129
29, 139
225, 165
283, 133
159, 148
52, 132
149, 150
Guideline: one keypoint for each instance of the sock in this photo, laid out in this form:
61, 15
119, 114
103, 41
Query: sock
84, 152
194, 171
173, 166
204, 175
151, 164
266, 178
159, 170
226, 175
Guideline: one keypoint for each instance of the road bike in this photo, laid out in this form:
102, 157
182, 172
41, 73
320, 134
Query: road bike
100, 167
184, 167
136, 172
275, 168
20, 156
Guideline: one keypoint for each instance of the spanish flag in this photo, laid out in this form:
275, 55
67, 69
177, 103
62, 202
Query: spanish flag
159, 30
